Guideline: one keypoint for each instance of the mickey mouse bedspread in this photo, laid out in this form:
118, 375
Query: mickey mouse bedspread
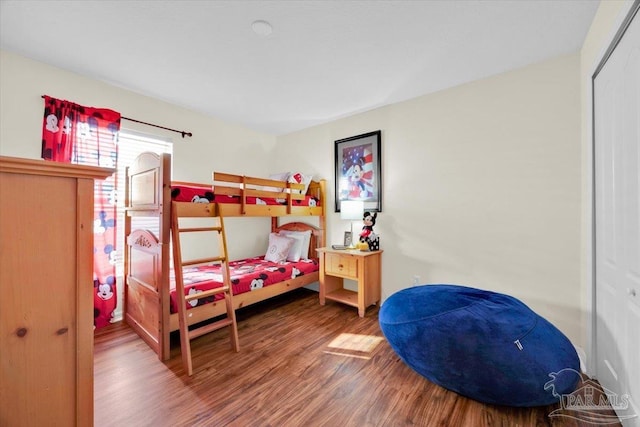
246, 276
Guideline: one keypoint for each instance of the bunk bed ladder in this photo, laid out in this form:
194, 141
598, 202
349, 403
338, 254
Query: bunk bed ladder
186, 334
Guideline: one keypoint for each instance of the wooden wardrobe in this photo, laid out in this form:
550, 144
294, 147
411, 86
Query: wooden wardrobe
46, 295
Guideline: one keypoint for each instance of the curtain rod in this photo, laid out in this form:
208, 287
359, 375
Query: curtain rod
158, 126
183, 133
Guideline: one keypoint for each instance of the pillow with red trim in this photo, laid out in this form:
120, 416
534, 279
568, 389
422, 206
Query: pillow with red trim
282, 176
300, 178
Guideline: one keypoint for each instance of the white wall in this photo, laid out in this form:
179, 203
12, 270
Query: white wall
215, 145
481, 186
603, 28
482, 182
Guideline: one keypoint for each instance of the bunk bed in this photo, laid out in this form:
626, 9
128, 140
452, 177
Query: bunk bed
149, 300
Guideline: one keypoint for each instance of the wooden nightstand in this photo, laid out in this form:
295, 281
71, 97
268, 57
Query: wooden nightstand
363, 267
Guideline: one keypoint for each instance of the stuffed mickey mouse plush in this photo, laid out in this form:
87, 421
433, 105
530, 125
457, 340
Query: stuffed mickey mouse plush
367, 235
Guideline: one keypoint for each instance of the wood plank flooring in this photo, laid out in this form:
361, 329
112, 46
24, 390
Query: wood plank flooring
297, 366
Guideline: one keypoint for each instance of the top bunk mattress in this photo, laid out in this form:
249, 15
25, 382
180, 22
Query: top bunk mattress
205, 194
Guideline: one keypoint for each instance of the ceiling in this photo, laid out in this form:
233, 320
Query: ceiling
323, 60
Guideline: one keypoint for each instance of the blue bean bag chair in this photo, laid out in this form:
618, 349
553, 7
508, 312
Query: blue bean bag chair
484, 345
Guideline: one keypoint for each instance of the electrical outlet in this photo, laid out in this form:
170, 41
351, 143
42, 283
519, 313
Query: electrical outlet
416, 280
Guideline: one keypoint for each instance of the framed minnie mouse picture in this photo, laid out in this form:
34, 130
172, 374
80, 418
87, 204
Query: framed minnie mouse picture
358, 170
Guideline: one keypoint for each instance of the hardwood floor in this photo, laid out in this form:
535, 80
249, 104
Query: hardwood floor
297, 366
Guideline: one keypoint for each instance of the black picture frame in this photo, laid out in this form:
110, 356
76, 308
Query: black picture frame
358, 170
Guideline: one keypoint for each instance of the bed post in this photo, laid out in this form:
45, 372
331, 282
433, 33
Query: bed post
165, 242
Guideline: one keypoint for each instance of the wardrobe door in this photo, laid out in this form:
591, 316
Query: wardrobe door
46, 299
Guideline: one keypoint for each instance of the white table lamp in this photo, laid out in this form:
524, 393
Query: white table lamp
351, 210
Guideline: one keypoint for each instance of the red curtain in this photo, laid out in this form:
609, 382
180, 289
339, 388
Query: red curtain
72, 133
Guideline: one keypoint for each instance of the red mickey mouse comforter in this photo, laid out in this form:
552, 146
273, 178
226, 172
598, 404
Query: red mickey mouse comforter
246, 276
185, 193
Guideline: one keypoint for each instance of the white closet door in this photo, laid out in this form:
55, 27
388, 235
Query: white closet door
617, 222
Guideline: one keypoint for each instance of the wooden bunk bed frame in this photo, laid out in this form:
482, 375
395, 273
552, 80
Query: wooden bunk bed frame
147, 255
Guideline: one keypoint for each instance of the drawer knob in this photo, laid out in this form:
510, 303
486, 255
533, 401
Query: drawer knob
21, 332
62, 331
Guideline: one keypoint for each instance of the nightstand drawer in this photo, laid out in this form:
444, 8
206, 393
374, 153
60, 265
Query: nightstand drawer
341, 265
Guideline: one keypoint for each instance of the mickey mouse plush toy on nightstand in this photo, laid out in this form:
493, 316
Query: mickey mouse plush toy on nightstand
367, 235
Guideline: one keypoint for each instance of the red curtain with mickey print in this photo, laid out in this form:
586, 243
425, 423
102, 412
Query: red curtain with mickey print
72, 133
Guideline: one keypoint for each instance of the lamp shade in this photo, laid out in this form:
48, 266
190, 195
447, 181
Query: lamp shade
351, 209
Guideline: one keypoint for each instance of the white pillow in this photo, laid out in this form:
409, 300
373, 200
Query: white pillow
282, 176
300, 178
278, 248
306, 240
296, 250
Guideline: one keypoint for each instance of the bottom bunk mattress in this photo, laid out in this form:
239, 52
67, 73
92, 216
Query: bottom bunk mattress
246, 275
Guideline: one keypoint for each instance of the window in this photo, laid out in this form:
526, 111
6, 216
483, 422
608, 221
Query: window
130, 145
